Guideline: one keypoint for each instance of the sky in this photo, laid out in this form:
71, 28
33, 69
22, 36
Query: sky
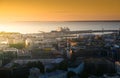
59, 10
54, 10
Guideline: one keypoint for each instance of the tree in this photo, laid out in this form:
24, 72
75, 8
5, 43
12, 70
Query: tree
18, 45
15, 65
37, 64
40, 66
63, 65
70, 74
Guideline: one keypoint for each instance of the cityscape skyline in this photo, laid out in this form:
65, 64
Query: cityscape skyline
59, 39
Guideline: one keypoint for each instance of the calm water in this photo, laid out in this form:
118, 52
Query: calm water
34, 27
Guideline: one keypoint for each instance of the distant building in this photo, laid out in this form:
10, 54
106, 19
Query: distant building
10, 53
44, 61
3, 46
10, 50
3, 43
40, 43
61, 29
77, 69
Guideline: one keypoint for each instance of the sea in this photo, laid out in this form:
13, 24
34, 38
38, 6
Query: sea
37, 27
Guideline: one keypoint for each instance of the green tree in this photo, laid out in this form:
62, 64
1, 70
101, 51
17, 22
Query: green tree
18, 45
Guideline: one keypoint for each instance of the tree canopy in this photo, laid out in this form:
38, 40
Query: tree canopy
18, 45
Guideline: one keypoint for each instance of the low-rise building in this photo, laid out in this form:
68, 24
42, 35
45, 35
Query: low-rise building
10, 50
55, 74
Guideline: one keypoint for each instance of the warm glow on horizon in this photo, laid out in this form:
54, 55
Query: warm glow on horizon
54, 10
59, 10
22, 28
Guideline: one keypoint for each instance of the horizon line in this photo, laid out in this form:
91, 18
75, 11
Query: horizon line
76, 21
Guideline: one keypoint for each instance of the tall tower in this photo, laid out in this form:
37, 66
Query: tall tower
68, 50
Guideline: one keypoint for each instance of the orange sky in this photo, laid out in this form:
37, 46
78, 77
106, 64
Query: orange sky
59, 10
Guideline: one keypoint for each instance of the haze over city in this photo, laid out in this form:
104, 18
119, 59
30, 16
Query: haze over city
59, 38
54, 10
39, 27
59, 10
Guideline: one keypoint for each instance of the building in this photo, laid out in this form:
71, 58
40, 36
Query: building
77, 69
44, 61
55, 74
10, 50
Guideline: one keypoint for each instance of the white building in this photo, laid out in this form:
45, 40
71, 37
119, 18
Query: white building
10, 50
40, 43
44, 61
